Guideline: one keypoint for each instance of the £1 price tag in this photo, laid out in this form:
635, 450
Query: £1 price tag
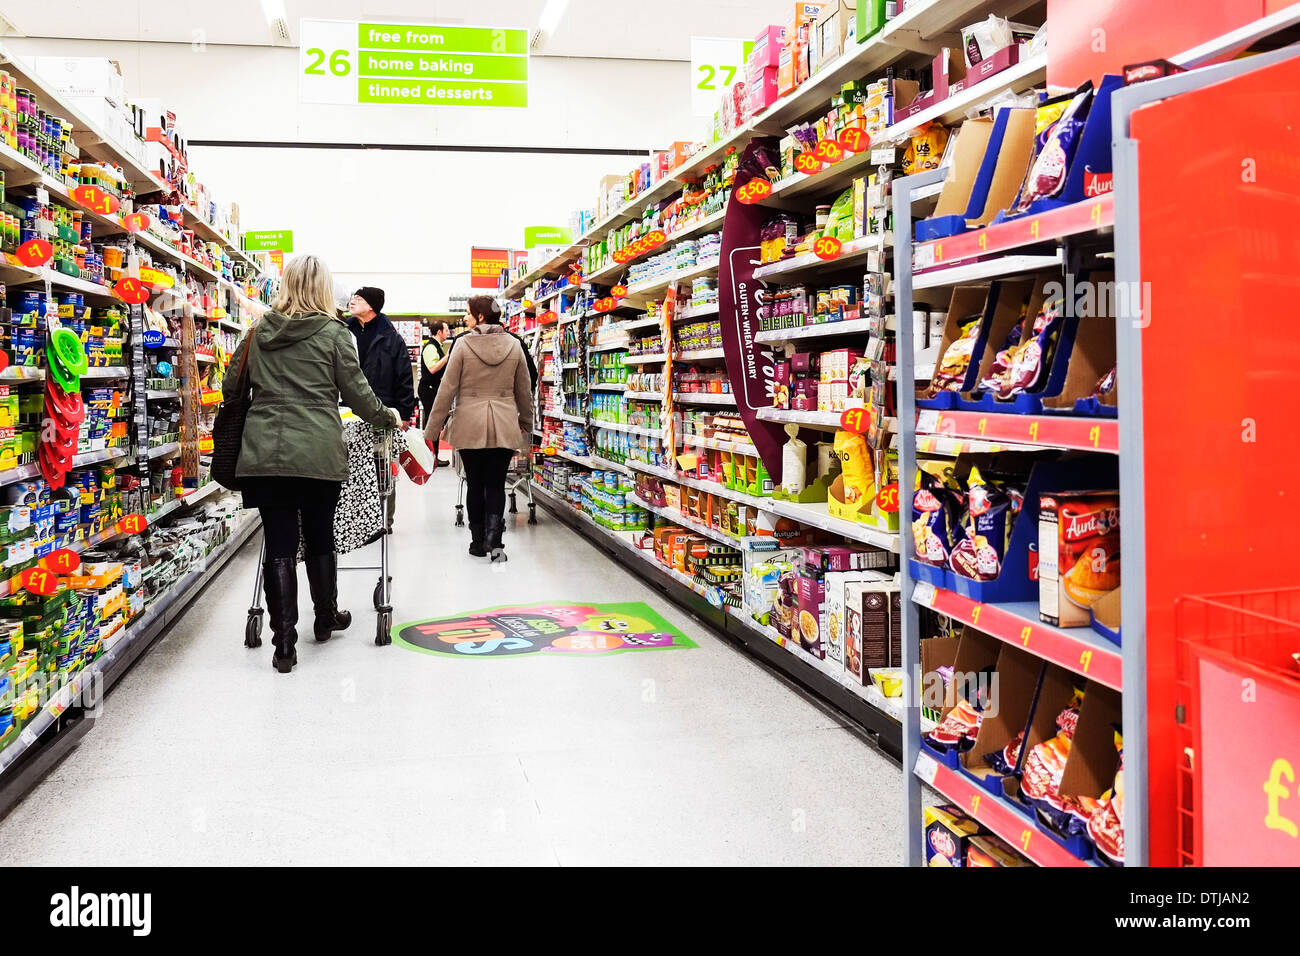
95, 199
62, 561
855, 420
38, 581
756, 190
827, 248
605, 304
136, 222
131, 291
34, 252
132, 524
854, 140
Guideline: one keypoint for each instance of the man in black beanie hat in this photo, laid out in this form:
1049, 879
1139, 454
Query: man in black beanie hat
384, 357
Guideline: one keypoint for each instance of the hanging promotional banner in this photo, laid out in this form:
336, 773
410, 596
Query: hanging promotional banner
749, 366
486, 265
535, 236
716, 64
560, 629
268, 239
346, 62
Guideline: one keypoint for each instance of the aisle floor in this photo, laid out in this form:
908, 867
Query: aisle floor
204, 755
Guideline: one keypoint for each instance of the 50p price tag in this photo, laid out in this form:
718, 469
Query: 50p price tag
827, 248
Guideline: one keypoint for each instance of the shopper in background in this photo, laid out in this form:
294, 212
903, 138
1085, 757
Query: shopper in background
384, 357
433, 360
471, 322
487, 379
292, 460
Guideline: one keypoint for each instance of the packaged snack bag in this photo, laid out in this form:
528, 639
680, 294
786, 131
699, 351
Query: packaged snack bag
1047, 172
958, 730
1008, 758
1040, 782
979, 555
951, 370
855, 466
1106, 825
1019, 367
925, 149
934, 512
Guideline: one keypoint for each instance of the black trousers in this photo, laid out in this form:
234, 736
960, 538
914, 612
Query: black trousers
280, 521
485, 480
427, 398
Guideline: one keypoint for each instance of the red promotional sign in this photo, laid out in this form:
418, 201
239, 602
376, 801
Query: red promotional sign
808, 164
887, 500
619, 291
133, 524
547, 318
829, 151
38, 581
756, 190
1247, 789
856, 420
854, 139
131, 291
95, 199
64, 560
486, 266
827, 248
135, 222
749, 363
34, 252
650, 241
606, 304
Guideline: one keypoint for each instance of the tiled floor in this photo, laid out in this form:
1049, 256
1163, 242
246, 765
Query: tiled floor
206, 755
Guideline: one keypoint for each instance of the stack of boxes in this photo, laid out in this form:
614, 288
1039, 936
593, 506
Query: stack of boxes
813, 381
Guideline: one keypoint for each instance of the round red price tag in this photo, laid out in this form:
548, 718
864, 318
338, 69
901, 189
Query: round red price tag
855, 420
38, 581
605, 304
754, 191
136, 222
546, 318
548, 450
64, 560
827, 248
34, 252
131, 291
854, 139
619, 291
622, 255
887, 500
829, 151
808, 164
133, 524
95, 199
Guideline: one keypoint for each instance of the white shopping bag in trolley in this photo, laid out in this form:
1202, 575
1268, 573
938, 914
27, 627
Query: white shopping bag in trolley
417, 457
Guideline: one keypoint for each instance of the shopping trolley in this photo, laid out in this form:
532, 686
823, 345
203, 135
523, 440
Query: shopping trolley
385, 479
519, 475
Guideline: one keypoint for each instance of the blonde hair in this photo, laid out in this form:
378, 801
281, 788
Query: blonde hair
307, 288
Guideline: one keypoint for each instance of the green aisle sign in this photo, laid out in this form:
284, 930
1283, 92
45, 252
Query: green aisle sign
535, 236
421, 64
269, 240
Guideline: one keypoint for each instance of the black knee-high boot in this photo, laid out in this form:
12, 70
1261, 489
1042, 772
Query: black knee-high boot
323, 580
280, 577
494, 527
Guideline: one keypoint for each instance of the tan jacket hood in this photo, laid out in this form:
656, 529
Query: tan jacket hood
491, 348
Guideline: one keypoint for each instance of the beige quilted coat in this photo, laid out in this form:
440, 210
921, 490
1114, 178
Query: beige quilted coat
485, 399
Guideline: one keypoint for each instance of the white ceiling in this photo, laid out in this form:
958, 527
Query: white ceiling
640, 29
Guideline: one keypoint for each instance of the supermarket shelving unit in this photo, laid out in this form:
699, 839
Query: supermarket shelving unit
56, 729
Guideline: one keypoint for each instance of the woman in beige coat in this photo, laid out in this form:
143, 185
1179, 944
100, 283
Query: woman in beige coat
486, 378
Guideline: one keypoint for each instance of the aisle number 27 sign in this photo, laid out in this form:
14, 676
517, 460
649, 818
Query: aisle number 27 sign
717, 63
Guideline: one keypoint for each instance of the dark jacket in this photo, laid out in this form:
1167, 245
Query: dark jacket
299, 369
386, 362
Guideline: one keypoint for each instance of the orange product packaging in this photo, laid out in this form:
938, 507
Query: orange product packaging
1078, 554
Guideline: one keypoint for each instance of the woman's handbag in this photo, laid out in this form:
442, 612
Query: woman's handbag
228, 426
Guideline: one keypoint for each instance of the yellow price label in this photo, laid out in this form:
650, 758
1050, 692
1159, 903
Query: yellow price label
1034, 229
1025, 837
1033, 430
1094, 435
938, 252
975, 613
1095, 214
984, 241
982, 425
974, 803
1025, 632
1085, 660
